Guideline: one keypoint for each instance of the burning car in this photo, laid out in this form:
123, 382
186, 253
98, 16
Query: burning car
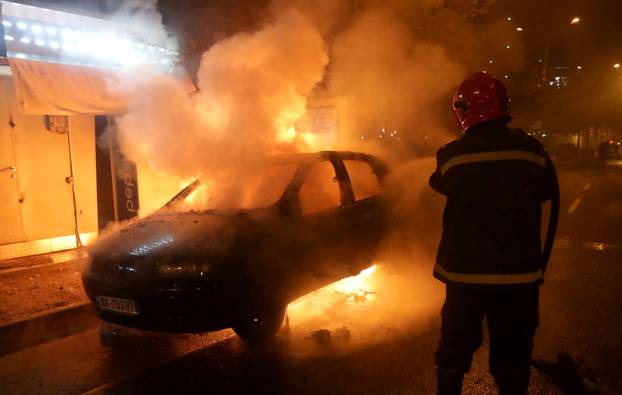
304, 221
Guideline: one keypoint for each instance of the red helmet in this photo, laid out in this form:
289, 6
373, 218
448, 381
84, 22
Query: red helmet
481, 98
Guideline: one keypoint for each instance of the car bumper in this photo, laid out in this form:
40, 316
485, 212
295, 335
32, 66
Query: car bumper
179, 308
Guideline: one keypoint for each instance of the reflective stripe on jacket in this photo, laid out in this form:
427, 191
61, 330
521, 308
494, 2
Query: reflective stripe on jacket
495, 180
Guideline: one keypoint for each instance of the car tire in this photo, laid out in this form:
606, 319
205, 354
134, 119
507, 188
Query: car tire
259, 324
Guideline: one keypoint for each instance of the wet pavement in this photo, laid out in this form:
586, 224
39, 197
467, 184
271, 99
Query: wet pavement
382, 350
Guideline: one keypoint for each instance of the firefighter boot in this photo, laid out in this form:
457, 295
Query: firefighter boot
512, 383
449, 382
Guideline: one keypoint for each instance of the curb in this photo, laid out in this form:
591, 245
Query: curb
44, 327
25, 262
43, 265
43, 260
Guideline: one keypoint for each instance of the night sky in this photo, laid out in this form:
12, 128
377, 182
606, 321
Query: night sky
595, 41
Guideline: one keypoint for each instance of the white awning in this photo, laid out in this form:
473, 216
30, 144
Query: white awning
58, 89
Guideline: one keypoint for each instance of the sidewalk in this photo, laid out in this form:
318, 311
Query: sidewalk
32, 286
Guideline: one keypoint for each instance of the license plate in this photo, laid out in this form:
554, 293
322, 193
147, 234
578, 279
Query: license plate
118, 305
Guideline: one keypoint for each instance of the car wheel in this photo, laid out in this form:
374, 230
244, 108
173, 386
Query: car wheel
256, 325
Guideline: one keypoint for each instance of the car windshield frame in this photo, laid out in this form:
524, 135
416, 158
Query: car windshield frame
196, 184
304, 161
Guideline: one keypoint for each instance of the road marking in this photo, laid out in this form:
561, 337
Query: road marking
587, 186
574, 206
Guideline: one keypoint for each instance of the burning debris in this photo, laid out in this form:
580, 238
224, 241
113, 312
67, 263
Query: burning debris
350, 290
356, 288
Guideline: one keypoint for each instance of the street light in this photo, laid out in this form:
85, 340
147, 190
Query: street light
519, 29
545, 66
616, 66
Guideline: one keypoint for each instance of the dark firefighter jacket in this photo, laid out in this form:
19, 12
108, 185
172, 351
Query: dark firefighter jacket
495, 180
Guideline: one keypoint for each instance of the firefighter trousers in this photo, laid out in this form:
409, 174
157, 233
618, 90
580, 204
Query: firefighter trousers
512, 318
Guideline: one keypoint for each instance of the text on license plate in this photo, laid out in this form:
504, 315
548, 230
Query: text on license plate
118, 305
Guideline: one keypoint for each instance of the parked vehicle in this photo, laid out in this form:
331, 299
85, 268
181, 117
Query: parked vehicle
305, 220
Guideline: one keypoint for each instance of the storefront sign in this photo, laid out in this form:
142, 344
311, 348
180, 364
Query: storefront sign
126, 187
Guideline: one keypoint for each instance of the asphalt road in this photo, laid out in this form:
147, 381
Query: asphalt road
378, 344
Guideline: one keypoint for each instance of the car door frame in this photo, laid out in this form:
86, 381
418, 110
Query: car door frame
303, 229
375, 220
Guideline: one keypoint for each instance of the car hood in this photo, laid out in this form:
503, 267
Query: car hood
174, 234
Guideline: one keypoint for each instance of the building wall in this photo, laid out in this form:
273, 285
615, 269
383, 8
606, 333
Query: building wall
42, 162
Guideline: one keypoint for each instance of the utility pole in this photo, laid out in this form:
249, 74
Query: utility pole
71, 182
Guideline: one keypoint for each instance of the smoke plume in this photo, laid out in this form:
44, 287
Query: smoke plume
368, 61
388, 77
252, 90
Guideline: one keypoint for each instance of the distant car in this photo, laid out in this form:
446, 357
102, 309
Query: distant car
304, 221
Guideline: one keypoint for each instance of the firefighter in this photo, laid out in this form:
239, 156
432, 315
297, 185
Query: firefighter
490, 257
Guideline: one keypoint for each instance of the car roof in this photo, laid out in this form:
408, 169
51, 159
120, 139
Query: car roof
313, 157
309, 158
303, 158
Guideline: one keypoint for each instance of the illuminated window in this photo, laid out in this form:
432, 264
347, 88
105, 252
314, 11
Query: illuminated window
320, 190
364, 182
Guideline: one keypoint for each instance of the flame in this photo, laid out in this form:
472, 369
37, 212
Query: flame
351, 290
303, 141
157, 187
309, 139
356, 285
287, 135
200, 191
288, 130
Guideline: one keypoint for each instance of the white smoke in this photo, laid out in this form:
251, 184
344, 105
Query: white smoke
252, 89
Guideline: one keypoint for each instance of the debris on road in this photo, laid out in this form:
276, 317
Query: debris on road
322, 337
325, 338
343, 334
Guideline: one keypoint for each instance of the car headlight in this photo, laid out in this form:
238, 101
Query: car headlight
183, 269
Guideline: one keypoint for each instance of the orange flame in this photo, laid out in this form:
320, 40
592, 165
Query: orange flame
358, 286
350, 290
